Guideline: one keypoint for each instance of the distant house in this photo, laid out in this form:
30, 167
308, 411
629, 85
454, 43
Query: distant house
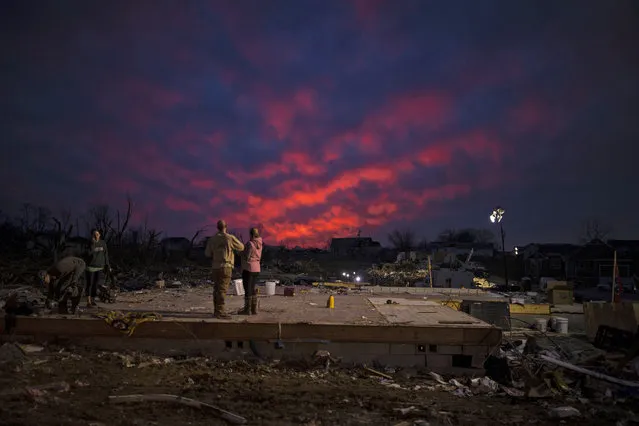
593, 263
626, 248
442, 248
548, 260
355, 247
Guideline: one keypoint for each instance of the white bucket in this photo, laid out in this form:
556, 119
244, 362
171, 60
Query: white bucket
561, 326
239, 288
541, 324
270, 288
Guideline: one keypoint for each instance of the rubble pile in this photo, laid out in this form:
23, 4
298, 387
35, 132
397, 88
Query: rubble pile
398, 274
561, 369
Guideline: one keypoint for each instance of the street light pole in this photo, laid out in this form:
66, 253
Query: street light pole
496, 217
503, 252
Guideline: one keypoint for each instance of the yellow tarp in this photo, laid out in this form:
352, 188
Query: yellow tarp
127, 322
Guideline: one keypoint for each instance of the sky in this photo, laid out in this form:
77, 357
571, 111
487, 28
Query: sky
318, 118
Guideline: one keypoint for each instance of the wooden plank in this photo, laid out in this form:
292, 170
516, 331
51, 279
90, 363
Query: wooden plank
170, 328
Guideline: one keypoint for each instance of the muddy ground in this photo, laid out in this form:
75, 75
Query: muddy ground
265, 393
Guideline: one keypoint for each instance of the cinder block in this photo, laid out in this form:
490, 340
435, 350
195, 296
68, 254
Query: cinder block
403, 349
355, 358
347, 349
306, 349
435, 362
449, 350
404, 361
370, 348
476, 350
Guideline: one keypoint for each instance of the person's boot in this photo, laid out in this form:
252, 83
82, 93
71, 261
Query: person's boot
89, 302
254, 305
220, 313
247, 306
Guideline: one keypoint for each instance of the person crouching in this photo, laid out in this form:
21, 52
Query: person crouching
63, 283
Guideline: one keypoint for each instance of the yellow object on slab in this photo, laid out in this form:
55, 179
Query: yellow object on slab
530, 308
453, 304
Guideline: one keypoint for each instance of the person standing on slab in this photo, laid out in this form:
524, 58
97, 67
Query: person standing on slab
221, 249
251, 258
98, 264
63, 283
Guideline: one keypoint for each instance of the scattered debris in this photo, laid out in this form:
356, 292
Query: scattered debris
378, 373
223, 414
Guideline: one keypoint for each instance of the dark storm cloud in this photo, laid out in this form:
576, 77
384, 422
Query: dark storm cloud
318, 118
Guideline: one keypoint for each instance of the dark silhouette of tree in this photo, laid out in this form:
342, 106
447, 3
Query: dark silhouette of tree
594, 229
403, 240
447, 235
467, 235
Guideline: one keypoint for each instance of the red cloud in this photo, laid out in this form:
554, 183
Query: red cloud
382, 129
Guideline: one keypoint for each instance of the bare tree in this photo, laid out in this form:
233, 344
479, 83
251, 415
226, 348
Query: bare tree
122, 221
238, 234
594, 229
423, 244
99, 217
194, 237
466, 235
403, 240
43, 219
25, 219
484, 236
35, 219
152, 239
66, 222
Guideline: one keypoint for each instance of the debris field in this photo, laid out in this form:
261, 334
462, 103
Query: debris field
65, 385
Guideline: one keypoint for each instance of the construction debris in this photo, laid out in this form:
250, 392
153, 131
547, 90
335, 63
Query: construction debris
398, 274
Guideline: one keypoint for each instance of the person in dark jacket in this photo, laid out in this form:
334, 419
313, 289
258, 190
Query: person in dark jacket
98, 264
63, 283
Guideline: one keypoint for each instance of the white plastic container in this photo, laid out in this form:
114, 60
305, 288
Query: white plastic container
270, 288
561, 325
541, 324
239, 288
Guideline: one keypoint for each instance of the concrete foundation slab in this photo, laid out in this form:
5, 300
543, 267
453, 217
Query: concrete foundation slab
359, 330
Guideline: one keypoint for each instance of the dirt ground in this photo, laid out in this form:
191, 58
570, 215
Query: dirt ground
264, 393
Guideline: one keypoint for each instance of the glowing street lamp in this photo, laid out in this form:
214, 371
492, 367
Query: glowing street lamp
496, 217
